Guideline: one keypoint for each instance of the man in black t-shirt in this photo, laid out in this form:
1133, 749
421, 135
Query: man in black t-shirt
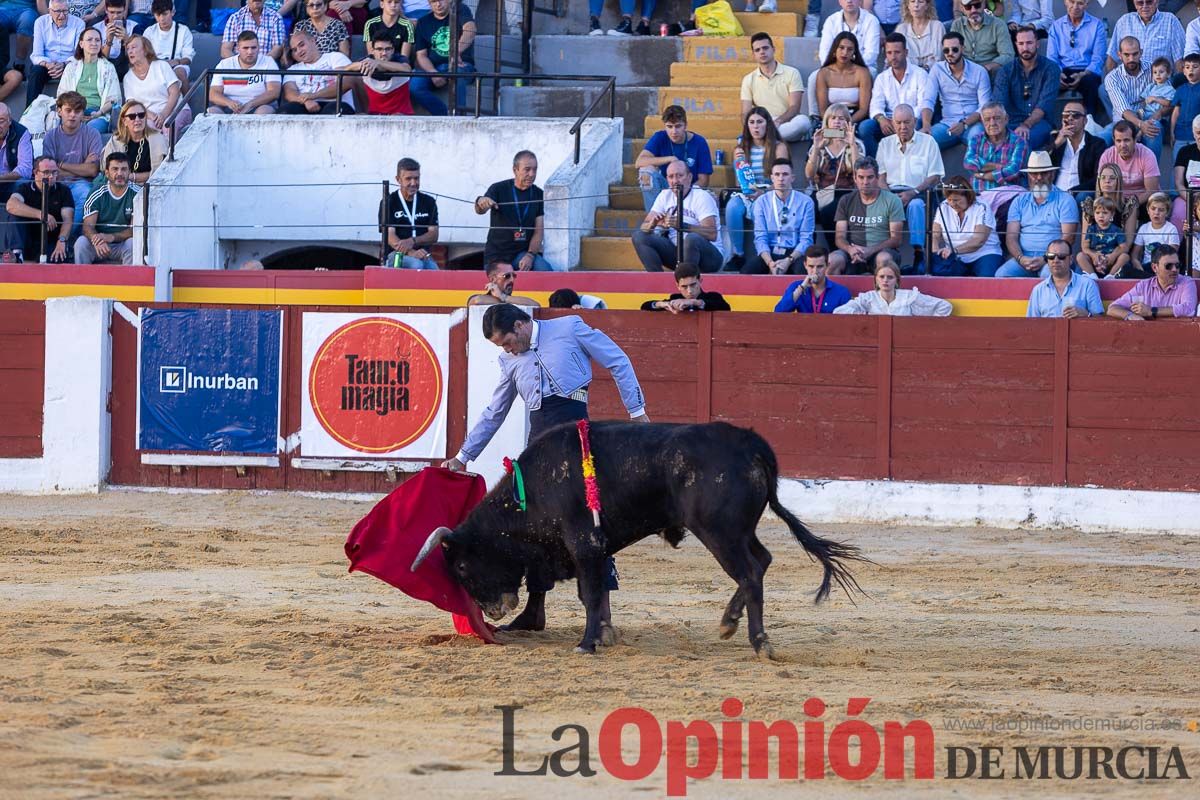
412, 220
25, 204
433, 54
691, 295
515, 237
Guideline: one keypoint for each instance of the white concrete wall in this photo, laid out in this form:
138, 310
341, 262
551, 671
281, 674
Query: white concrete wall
337, 166
1015, 507
184, 206
76, 426
599, 165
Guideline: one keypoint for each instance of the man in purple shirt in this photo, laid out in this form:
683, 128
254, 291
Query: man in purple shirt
1167, 294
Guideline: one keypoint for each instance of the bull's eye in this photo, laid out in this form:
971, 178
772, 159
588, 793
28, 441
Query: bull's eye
461, 567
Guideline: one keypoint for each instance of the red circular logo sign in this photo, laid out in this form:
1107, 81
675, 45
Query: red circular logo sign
375, 385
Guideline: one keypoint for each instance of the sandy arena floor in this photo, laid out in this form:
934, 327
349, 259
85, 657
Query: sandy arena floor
156, 645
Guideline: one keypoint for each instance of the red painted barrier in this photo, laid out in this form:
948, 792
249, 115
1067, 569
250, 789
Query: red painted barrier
22, 378
1008, 401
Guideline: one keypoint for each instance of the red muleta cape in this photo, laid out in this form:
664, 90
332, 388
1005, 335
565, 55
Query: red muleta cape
386, 541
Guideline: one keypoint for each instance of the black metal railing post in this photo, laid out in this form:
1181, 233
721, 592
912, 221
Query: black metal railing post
145, 222
496, 58
383, 227
453, 65
929, 211
1190, 225
678, 225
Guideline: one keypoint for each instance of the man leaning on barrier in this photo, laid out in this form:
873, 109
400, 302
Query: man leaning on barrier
412, 220
1167, 294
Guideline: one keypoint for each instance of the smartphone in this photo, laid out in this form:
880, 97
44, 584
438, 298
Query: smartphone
834, 133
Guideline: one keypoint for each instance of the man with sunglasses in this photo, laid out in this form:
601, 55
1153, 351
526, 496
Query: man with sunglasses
985, 39
1159, 33
1064, 293
1077, 43
1167, 294
1076, 152
1028, 87
962, 87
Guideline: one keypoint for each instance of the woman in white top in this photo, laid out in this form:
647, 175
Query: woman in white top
172, 41
889, 299
844, 78
964, 234
93, 77
154, 84
924, 32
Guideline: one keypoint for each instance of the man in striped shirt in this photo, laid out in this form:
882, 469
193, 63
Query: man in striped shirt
1160, 34
1126, 85
995, 155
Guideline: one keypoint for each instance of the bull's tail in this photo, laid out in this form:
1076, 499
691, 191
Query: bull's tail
829, 553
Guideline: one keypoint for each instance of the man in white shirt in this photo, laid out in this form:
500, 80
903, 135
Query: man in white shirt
314, 94
172, 41
910, 163
55, 37
901, 83
244, 94
655, 241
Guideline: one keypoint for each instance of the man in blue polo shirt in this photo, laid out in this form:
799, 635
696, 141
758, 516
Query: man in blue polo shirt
1064, 293
1035, 219
816, 294
673, 142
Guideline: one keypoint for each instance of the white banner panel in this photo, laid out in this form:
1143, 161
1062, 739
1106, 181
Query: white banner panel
375, 385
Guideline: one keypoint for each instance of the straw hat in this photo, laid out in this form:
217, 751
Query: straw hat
1039, 161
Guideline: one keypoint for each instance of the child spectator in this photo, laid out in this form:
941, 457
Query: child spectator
1160, 94
1105, 251
1155, 233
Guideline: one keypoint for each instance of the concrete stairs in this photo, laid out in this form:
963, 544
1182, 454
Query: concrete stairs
706, 81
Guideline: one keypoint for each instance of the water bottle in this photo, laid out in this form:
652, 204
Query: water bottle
743, 170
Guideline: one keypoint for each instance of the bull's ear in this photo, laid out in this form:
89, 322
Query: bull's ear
435, 538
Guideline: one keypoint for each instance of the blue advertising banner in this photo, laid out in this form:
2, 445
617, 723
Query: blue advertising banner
208, 380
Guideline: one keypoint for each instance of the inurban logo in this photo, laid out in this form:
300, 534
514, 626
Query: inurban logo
177, 380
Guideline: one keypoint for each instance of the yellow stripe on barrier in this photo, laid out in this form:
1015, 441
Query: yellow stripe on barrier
44, 291
216, 294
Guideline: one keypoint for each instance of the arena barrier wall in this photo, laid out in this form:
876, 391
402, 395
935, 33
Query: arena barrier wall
54, 380
971, 297
904, 410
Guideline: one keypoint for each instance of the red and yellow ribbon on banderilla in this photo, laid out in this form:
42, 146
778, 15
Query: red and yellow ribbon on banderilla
589, 471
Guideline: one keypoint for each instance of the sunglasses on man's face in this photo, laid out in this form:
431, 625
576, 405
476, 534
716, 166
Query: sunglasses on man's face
1072, 115
972, 6
950, 51
1169, 265
1056, 257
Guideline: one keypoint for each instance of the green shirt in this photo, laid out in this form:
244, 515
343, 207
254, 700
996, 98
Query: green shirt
991, 43
114, 214
867, 225
88, 86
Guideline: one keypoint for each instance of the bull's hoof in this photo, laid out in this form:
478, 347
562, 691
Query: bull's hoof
586, 650
608, 634
728, 628
524, 623
763, 648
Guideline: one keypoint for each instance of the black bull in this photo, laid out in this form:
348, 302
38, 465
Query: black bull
714, 480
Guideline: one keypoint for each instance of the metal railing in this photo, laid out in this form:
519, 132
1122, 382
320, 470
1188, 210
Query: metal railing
609, 91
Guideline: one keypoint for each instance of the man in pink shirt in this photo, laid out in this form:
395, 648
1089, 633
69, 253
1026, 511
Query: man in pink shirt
1167, 294
1138, 164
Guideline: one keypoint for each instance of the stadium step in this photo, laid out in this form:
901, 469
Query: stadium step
722, 100
711, 50
710, 126
779, 24
709, 74
722, 176
608, 253
625, 198
618, 221
726, 144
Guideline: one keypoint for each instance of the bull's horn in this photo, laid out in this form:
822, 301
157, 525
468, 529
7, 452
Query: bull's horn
433, 541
